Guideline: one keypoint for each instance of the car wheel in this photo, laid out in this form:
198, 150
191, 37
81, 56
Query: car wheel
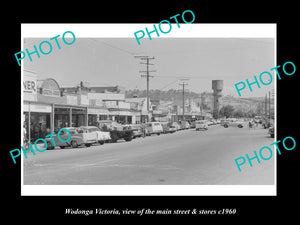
225, 126
74, 144
128, 138
101, 142
50, 146
272, 135
114, 138
88, 144
62, 147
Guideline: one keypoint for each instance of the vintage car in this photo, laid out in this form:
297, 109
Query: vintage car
116, 130
184, 125
234, 123
88, 134
102, 136
153, 128
201, 125
176, 125
137, 130
76, 139
168, 128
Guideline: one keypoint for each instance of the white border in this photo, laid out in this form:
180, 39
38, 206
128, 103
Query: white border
127, 30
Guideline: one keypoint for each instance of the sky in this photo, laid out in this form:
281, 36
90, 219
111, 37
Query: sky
111, 61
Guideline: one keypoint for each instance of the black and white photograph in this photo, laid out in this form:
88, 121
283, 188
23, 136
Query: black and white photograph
149, 111
165, 112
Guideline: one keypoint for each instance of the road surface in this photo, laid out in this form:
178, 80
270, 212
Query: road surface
184, 157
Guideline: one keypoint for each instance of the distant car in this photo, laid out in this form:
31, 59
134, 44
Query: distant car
210, 122
89, 134
271, 131
201, 125
137, 130
176, 125
185, 125
75, 140
223, 121
193, 124
168, 128
235, 123
102, 136
154, 128
266, 124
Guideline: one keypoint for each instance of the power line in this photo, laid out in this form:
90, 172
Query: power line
169, 84
112, 46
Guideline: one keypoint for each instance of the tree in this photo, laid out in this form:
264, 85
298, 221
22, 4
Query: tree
226, 111
238, 113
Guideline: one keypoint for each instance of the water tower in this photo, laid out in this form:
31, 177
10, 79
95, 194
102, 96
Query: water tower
217, 86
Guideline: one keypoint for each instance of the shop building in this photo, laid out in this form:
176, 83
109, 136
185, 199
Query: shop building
139, 108
45, 110
105, 102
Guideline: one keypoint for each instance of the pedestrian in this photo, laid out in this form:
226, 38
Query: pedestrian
250, 124
25, 139
144, 131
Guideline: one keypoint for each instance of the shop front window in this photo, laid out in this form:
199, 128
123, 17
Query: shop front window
39, 125
61, 118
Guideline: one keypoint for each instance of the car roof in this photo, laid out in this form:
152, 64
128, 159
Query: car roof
70, 128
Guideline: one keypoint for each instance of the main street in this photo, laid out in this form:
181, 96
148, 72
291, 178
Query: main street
185, 157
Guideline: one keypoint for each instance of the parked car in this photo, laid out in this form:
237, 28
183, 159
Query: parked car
89, 135
154, 128
266, 124
176, 125
210, 122
102, 136
75, 140
271, 131
223, 121
185, 125
234, 123
137, 130
201, 125
168, 128
116, 130
193, 124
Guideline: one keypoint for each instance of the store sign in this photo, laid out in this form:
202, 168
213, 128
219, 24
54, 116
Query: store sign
37, 108
50, 88
29, 86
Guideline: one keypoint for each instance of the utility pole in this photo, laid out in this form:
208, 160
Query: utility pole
147, 59
266, 111
183, 102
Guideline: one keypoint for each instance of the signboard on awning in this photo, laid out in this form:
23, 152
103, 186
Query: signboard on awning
98, 111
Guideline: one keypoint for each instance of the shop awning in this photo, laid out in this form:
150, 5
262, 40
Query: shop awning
98, 111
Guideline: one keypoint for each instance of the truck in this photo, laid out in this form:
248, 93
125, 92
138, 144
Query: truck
116, 130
